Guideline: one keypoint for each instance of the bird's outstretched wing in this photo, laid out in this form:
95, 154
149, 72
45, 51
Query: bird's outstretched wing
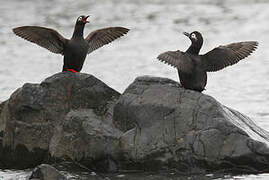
177, 59
44, 37
101, 37
223, 56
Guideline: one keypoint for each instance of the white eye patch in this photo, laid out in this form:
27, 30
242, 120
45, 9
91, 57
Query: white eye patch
193, 36
80, 18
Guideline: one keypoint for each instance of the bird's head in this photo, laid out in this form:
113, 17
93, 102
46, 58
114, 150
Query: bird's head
195, 37
82, 20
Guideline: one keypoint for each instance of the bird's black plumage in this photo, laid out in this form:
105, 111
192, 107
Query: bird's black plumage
192, 67
74, 50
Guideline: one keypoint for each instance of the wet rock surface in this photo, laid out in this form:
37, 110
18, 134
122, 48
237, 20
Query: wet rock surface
169, 127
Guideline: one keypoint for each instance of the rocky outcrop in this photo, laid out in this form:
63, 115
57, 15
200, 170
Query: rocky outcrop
46, 172
34, 114
153, 125
169, 127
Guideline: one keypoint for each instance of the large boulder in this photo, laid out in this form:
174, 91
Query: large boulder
34, 114
169, 127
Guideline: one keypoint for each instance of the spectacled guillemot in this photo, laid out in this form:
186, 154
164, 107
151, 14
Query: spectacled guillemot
192, 67
74, 50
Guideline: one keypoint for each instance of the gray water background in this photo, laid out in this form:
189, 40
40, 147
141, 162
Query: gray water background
156, 26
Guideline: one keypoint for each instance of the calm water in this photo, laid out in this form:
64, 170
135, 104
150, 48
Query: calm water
156, 26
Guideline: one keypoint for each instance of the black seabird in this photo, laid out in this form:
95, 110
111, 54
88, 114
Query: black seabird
74, 50
192, 67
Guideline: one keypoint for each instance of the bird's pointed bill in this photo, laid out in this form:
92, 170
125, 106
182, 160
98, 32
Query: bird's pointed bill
186, 34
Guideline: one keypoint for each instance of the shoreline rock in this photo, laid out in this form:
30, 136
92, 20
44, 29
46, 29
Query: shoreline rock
153, 126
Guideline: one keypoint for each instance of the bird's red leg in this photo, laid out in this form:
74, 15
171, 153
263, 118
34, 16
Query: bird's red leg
72, 70
180, 85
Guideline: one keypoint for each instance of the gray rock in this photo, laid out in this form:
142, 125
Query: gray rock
85, 138
35, 112
169, 127
46, 172
154, 125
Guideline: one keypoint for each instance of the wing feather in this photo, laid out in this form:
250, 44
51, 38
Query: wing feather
177, 59
224, 56
44, 37
101, 37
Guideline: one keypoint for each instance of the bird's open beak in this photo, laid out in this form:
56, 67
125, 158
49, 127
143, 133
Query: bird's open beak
85, 19
186, 34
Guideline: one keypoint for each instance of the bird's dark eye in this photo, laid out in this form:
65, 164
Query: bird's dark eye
80, 18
